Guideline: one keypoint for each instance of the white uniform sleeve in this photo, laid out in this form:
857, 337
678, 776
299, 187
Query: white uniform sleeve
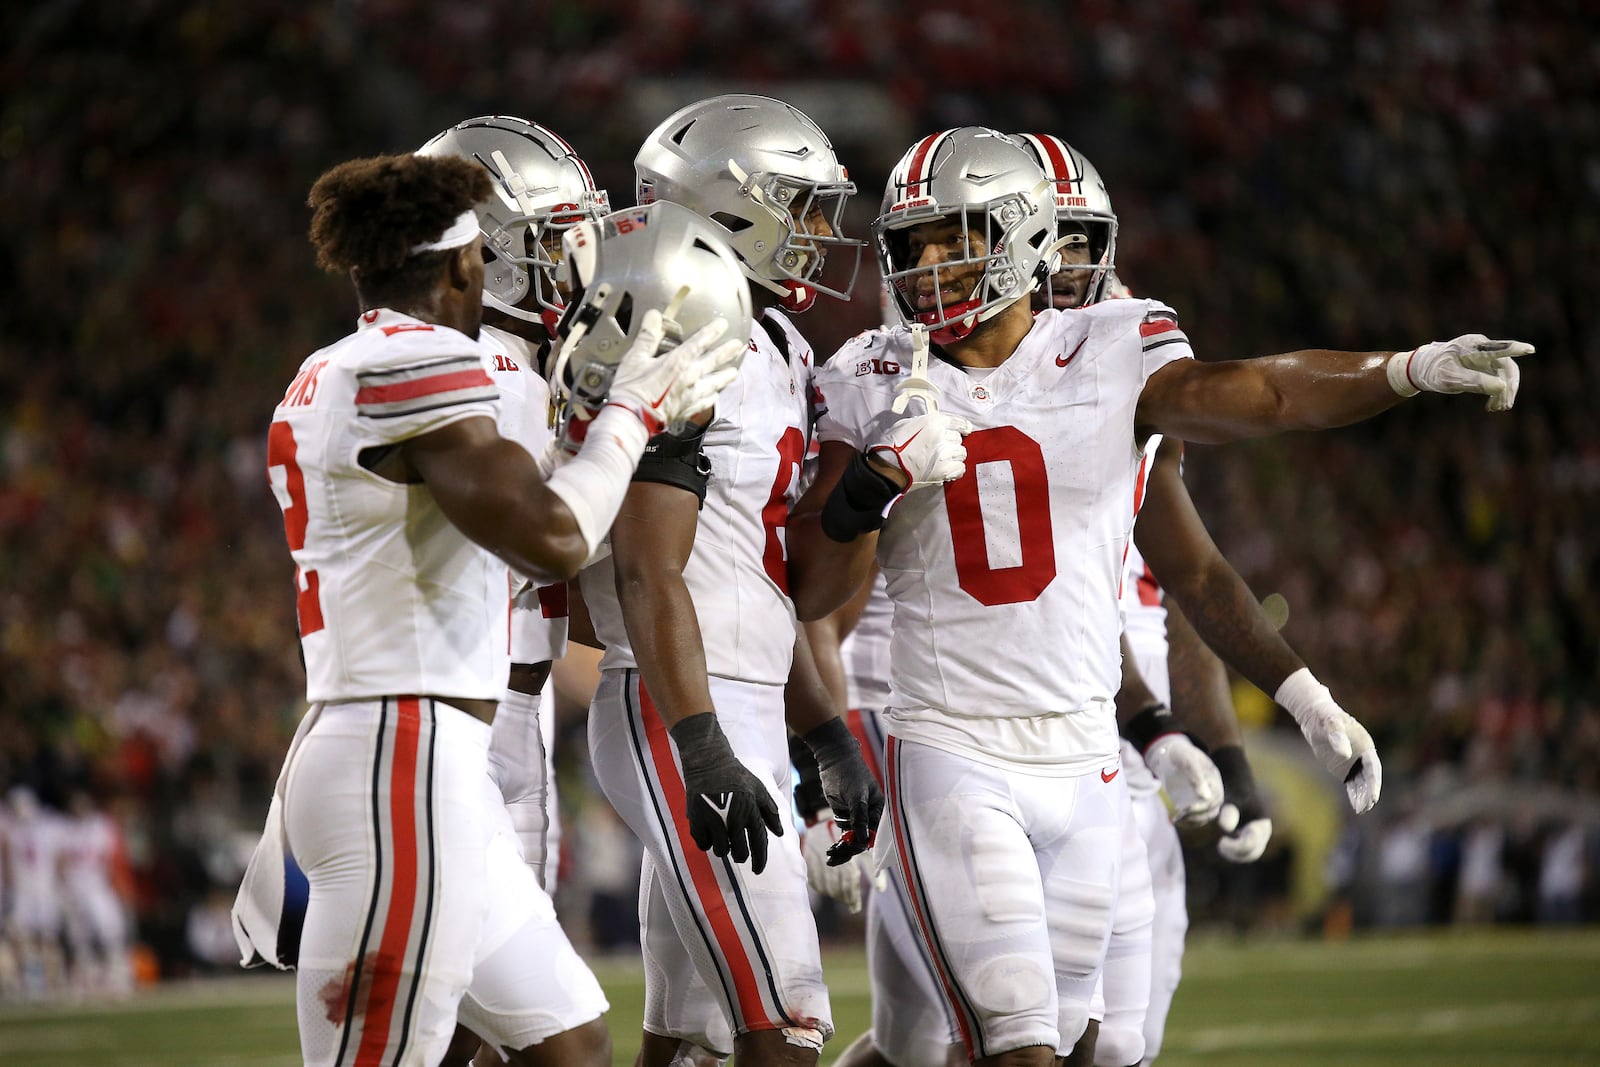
425, 379
855, 398
1161, 338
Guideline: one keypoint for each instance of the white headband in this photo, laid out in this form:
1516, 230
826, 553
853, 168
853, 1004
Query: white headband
462, 231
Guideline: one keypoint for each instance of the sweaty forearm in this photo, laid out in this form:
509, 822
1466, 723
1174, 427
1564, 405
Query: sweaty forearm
1228, 618
1212, 403
1200, 694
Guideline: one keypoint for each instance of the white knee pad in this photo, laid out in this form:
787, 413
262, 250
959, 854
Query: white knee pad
1118, 1046
1072, 1019
1080, 923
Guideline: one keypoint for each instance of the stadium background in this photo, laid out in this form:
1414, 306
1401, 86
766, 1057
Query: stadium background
1308, 173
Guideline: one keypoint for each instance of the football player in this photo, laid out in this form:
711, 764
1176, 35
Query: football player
687, 729
398, 494
1002, 763
542, 188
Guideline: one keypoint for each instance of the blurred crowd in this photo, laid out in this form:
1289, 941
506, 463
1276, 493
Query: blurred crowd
1365, 175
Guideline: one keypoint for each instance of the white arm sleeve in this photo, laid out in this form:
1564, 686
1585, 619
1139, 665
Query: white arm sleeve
593, 483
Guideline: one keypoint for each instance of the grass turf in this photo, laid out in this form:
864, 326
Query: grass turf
1494, 997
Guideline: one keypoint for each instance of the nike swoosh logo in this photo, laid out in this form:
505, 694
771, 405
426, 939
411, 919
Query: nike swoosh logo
719, 803
1104, 777
1063, 361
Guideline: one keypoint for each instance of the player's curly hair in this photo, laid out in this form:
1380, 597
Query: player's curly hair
369, 213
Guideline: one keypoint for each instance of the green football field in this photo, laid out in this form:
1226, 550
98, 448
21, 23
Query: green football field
1481, 998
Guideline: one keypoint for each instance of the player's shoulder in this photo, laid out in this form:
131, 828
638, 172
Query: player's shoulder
781, 332
507, 352
387, 341
875, 357
1129, 312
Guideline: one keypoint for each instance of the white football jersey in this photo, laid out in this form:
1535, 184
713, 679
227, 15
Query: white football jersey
536, 623
737, 573
865, 651
393, 599
1004, 581
89, 851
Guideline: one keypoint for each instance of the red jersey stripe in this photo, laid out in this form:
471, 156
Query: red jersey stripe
429, 386
1150, 329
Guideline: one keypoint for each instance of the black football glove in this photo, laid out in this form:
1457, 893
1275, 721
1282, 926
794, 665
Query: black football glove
849, 788
729, 810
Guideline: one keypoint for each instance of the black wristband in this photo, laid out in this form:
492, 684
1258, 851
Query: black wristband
831, 742
1237, 778
856, 504
808, 794
700, 741
1154, 721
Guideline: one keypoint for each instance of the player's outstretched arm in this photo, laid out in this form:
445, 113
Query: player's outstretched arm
650, 545
1319, 389
1228, 618
1200, 696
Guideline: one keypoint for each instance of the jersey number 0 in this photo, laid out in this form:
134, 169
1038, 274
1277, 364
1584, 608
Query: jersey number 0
983, 582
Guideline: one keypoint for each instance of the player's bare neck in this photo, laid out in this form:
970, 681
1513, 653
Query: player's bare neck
993, 342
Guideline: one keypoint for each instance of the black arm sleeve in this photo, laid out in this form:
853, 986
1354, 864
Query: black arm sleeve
679, 461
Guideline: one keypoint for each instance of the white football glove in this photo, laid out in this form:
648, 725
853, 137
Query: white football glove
1471, 363
927, 448
670, 386
1242, 844
1338, 740
1192, 782
842, 883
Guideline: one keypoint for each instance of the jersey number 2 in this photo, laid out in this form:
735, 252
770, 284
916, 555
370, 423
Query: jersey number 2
1035, 536
282, 451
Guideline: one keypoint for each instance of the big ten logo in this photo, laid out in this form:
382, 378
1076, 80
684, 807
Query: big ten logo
877, 366
505, 363
303, 390
620, 223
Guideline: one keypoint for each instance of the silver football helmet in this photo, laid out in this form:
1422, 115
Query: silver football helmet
542, 188
767, 176
1083, 206
999, 197
660, 256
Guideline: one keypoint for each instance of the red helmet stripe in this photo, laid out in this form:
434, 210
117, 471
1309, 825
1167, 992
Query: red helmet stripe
1055, 152
915, 175
588, 178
